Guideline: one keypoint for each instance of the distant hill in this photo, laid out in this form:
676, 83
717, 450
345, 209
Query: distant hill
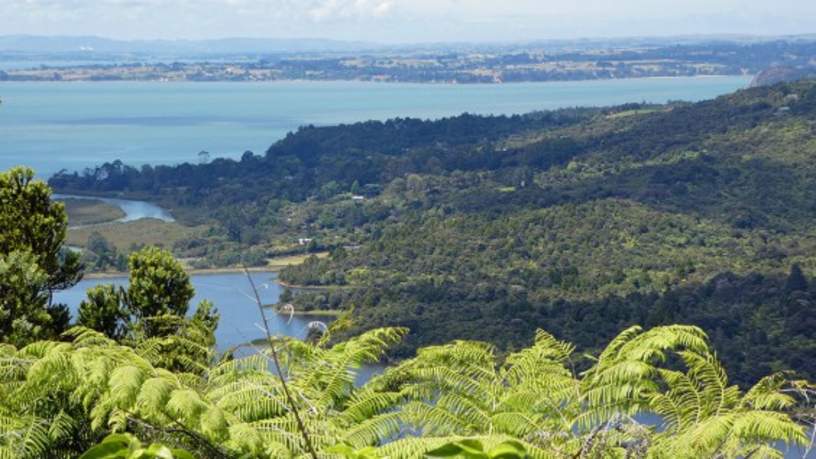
782, 74
36, 58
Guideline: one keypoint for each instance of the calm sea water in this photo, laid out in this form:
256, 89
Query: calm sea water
231, 294
51, 126
240, 319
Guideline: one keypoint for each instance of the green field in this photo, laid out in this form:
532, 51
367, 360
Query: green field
146, 231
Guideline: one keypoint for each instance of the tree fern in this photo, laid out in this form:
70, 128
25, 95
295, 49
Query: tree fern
62, 397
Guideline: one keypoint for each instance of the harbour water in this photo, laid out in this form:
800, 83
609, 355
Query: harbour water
231, 294
57, 125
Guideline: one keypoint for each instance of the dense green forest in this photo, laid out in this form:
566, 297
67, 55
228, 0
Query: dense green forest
135, 375
579, 221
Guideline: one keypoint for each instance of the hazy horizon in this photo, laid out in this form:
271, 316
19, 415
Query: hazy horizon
590, 39
403, 21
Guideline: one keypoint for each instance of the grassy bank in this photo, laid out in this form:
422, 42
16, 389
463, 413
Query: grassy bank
82, 212
279, 263
274, 265
112, 274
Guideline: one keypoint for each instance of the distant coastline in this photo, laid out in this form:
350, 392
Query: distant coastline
122, 74
292, 61
383, 82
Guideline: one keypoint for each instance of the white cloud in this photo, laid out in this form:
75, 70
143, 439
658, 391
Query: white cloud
317, 9
404, 20
345, 9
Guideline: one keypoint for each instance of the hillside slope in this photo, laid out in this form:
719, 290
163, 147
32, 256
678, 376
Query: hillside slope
580, 221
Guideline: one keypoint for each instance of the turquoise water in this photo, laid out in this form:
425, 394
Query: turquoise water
51, 126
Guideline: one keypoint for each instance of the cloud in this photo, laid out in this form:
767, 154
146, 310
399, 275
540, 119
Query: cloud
403, 20
318, 10
345, 9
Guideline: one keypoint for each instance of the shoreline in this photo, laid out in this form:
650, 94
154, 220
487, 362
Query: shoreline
274, 265
192, 272
384, 82
100, 195
304, 313
311, 287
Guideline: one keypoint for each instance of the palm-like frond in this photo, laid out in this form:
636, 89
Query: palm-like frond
55, 394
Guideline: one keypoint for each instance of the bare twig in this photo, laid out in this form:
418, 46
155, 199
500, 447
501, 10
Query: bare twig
301, 427
589, 442
810, 445
806, 391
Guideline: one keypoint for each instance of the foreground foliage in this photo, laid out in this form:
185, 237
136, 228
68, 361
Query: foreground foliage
60, 398
33, 262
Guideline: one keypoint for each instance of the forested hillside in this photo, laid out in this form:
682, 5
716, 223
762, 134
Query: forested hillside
580, 221
136, 374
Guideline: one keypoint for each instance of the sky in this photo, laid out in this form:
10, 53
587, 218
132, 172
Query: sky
405, 21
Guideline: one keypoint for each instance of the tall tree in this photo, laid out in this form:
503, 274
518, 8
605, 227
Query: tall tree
33, 261
23, 299
104, 311
796, 280
33, 222
159, 286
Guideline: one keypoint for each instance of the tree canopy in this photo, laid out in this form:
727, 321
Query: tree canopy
33, 261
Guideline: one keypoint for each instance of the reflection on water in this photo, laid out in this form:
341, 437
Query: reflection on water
134, 210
